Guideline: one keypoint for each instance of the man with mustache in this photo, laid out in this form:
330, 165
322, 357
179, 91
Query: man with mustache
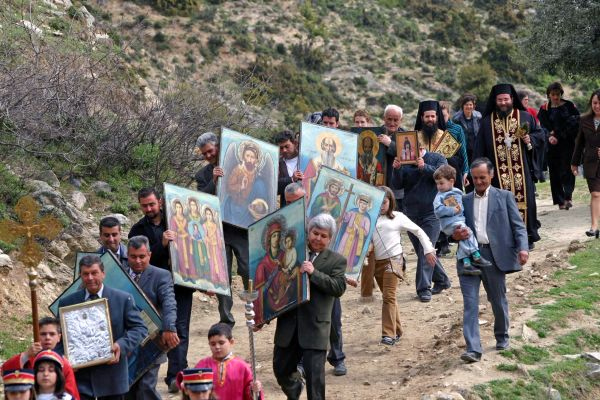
508, 136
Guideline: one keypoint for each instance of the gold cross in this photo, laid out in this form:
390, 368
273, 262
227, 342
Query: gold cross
30, 228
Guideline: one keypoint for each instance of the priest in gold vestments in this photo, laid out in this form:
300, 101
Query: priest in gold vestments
508, 136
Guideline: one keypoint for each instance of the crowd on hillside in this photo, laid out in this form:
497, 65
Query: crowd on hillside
470, 180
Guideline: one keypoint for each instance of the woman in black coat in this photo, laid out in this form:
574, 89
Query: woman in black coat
560, 118
587, 151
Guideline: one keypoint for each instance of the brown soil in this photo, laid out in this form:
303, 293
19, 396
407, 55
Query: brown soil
427, 359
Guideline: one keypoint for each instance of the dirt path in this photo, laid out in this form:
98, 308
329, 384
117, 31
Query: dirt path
427, 358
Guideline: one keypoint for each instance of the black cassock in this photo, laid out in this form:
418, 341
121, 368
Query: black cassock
485, 147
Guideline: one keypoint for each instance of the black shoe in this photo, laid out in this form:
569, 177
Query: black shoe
425, 296
531, 246
504, 346
437, 289
470, 357
470, 270
481, 262
173, 388
340, 369
388, 341
592, 233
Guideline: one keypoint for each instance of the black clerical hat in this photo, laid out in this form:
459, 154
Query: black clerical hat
502, 88
430, 105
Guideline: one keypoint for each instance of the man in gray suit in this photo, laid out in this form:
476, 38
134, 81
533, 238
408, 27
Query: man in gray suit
303, 333
493, 216
157, 285
107, 381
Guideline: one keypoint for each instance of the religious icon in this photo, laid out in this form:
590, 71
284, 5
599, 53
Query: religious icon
371, 156
198, 251
277, 250
407, 147
248, 190
145, 355
355, 206
328, 147
87, 334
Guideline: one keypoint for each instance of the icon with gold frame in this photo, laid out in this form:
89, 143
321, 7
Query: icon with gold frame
407, 147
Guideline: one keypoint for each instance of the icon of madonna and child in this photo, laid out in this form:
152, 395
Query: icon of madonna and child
198, 251
277, 250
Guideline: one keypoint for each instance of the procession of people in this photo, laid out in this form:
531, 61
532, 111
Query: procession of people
468, 178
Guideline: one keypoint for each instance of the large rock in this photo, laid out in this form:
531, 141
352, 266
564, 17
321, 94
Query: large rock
123, 220
101, 187
86, 16
59, 248
78, 199
5, 261
529, 335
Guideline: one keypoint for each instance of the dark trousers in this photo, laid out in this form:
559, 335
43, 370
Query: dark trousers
562, 180
285, 361
145, 387
336, 353
114, 397
494, 283
425, 273
236, 242
178, 355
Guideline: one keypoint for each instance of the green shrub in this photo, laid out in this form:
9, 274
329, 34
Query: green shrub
59, 24
11, 190
160, 37
192, 40
359, 81
476, 78
174, 7
215, 42
280, 49
506, 59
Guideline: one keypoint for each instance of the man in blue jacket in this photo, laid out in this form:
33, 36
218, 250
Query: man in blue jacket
107, 381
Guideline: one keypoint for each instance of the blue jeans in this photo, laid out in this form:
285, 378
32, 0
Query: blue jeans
425, 273
494, 283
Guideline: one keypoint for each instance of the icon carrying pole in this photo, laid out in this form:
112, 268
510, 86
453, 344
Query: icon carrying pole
249, 296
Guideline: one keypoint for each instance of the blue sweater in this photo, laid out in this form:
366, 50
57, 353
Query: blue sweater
419, 186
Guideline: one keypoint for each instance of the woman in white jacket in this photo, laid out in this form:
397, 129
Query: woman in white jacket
389, 262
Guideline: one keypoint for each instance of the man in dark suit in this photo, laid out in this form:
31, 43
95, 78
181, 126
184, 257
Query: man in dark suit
157, 285
110, 237
288, 163
107, 381
303, 333
236, 238
154, 226
419, 193
493, 216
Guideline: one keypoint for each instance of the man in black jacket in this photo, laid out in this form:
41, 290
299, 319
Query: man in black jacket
154, 226
236, 239
288, 162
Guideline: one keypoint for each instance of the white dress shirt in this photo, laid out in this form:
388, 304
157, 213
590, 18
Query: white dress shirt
480, 210
292, 165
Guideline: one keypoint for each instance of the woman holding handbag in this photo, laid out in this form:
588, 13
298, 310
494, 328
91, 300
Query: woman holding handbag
389, 262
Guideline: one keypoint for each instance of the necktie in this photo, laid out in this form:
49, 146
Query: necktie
93, 297
136, 277
311, 256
